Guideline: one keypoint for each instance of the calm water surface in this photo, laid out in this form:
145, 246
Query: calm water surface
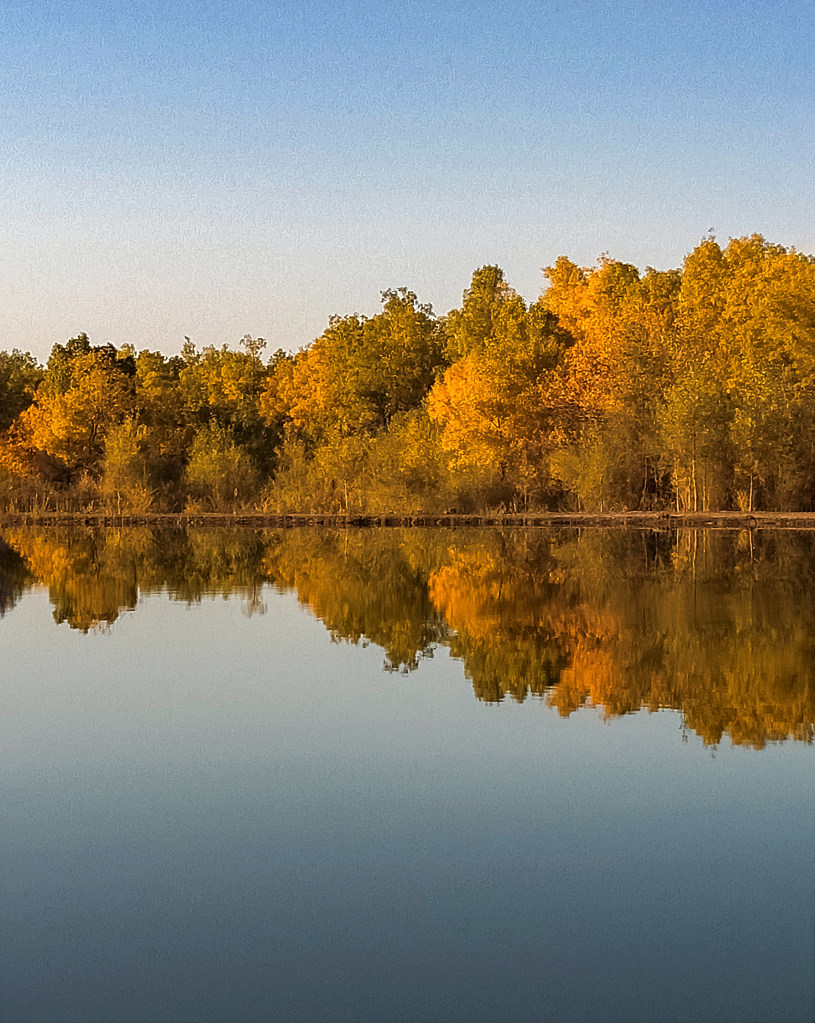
407, 775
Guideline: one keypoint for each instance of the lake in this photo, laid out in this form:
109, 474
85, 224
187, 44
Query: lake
395, 774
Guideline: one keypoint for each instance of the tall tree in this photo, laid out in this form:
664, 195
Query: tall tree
20, 375
85, 391
492, 403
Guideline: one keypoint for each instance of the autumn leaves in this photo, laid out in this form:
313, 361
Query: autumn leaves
691, 389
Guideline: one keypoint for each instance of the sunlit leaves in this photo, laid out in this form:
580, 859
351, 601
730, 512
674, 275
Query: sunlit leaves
494, 402
691, 389
69, 421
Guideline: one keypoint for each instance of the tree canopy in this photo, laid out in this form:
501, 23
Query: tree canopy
690, 388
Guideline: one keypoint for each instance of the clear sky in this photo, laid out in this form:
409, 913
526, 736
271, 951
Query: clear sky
214, 169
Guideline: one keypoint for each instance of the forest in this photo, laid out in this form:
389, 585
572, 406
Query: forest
690, 389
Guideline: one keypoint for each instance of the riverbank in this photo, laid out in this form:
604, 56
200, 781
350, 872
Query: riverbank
632, 520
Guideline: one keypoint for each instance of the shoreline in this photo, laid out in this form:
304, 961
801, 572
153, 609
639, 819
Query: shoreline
632, 520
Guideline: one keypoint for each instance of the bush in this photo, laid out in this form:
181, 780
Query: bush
220, 474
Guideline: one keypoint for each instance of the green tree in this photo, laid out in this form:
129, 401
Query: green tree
490, 309
126, 484
695, 420
220, 474
20, 375
400, 354
225, 386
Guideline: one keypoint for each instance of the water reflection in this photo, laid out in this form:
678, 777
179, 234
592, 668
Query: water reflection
719, 625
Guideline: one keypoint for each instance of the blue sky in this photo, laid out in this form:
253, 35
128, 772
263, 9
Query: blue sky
213, 169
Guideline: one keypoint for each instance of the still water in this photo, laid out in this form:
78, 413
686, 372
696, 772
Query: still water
407, 775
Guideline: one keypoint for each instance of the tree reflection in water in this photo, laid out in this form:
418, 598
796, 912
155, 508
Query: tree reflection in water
718, 625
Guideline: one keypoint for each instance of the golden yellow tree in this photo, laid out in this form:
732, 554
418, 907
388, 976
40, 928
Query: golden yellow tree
70, 422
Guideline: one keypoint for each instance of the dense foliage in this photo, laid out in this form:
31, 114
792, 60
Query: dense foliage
691, 389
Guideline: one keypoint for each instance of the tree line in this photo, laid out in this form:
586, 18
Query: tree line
690, 389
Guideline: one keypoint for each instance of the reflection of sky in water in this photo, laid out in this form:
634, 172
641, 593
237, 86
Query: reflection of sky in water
209, 816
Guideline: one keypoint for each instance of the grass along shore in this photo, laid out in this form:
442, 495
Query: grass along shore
633, 520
